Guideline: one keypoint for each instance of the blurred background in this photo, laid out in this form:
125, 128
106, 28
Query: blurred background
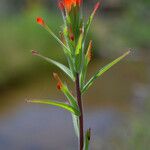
117, 107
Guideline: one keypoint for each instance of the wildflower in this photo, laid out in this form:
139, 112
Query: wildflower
68, 4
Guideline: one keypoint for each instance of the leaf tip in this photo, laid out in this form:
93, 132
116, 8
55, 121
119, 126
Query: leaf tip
27, 100
89, 134
34, 52
97, 5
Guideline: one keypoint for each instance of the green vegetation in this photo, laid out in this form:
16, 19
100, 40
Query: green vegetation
20, 33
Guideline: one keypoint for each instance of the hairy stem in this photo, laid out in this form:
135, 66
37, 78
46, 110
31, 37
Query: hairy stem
79, 99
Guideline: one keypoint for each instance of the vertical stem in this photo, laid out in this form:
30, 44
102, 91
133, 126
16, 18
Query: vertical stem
79, 99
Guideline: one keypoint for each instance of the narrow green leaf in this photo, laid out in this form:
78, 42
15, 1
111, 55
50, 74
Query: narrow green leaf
59, 65
70, 97
103, 70
78, 62
87, 139
63, 88
67, 50
79, 44
87, 59
75, 120
79, 53
90, 19
59, 104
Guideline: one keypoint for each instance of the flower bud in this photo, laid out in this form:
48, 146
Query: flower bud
40, 21
59, 84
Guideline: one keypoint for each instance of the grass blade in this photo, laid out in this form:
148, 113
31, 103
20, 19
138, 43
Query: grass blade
65, 69
90, 19
59, 104
103, 70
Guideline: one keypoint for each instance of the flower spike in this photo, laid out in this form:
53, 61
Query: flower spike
72, 38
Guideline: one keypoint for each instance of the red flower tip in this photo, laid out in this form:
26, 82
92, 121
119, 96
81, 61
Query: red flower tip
59, 84
40, 21
34, 53
97, 5
71, 37
61, 5
78, 2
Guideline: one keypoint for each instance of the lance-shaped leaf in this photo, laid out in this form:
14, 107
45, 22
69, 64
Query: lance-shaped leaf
88, 24
103, 70
75, 120
86, 61
65, 69
59, 104
79, 44
79, 52
87, 139
45, 26
61, 86
70, 97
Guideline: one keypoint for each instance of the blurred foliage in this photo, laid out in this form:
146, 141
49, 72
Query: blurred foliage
118, 26
123, 26
20, 34
140, 129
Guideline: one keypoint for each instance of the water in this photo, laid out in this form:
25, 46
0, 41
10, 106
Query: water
108, 108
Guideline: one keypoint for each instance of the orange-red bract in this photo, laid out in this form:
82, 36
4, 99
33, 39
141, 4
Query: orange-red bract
96, 7
59, 84
40, 21
68, 4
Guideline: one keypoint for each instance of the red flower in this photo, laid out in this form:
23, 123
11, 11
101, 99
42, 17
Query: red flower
68, 4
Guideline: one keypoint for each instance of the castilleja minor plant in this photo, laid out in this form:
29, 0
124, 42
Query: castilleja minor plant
72, 39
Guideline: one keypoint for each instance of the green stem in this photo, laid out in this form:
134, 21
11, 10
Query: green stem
81, 127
